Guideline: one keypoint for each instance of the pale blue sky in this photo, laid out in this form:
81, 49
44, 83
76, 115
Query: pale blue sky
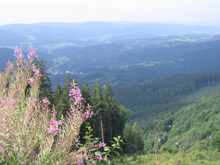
168, 11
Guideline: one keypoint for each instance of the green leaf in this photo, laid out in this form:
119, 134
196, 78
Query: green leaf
112, 156
97, 139
116, 152
108, 161
98, 152
107, 148
113, 145
93, 149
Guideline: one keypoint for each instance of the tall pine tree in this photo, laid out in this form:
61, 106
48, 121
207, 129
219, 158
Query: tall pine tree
57, 94
98, 109
86, 95
111, 112
45, 82
63, 105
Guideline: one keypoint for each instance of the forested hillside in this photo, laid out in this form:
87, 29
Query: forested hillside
136, 79
156, 103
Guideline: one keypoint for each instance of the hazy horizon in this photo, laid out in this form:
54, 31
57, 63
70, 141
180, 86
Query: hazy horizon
187, 12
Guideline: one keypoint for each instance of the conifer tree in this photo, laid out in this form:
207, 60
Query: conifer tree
45, 82
128, 136
132, 138
138, 142
98, 108
86, 94
111, 111
63, 105
121, 120
57, 95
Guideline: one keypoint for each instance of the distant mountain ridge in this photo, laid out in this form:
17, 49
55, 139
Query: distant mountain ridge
118, 52
64, 34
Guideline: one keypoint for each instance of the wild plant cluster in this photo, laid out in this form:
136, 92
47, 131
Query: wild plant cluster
30, 132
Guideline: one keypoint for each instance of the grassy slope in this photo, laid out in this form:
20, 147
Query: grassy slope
202, 94
192, 158
197, 121
193, 123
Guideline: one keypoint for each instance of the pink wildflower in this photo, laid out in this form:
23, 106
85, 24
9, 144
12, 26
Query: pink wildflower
86, 114
98, 157
4, 101
102, 145
53, 111
37, 72
32, 99
31, 80
10, 154
22, 148
45, 101
5, 82
54, 126
10, 66
17, 52
75, 95
80, 163
31, 54
92, 113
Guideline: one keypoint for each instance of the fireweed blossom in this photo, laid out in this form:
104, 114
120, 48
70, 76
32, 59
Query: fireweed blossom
32, 99
54, 112
54, 125
56, 136
37, 72
102, 145
46, 101
31, 55
98, 157
10, 154
4, 101
88, 114
5, 82
17, 52
76, 95
10, 66
31, 80
91, 114
80, 163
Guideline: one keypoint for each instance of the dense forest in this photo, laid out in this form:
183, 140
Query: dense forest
109, 119
155, 103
